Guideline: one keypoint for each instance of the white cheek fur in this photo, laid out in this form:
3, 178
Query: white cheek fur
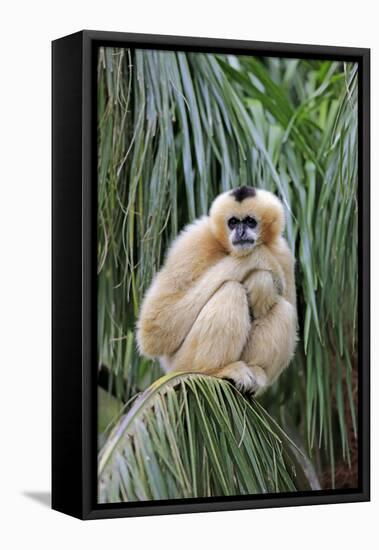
252, 234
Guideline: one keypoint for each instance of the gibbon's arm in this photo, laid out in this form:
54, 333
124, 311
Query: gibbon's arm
168, 313
265, 260
266, 283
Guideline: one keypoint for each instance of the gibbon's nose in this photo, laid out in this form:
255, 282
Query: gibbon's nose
240, 231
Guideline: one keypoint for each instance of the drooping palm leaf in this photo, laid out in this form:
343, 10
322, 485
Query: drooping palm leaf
196, 436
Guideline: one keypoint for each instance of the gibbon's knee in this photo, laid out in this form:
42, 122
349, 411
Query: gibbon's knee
219, 333
272, 340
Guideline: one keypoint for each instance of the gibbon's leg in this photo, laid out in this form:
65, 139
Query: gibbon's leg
167, 315
271, 343
218, 336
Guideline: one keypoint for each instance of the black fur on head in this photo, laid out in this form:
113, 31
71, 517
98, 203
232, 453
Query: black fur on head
242, 193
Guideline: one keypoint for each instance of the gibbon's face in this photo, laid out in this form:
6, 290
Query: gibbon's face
245, 217
243, 232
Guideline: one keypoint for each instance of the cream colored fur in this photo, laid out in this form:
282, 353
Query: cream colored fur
222, 311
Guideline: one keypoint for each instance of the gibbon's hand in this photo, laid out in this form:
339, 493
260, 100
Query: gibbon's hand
262, 291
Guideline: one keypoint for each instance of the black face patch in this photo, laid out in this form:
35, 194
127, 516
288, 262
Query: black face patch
242, 193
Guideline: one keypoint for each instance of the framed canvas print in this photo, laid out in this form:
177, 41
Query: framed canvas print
210, 275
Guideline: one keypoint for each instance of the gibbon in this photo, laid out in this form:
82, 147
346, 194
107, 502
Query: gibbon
224, 302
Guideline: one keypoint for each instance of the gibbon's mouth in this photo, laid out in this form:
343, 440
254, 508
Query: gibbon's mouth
244, 242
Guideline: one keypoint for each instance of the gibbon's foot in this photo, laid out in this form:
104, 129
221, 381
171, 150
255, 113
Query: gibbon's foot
248, 380
261, 380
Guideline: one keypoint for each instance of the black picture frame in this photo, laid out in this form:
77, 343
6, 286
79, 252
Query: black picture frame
74, 378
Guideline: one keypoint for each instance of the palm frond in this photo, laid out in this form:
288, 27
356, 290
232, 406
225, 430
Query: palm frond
195, 436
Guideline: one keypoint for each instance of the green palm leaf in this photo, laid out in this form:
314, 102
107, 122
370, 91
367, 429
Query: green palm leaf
196, 436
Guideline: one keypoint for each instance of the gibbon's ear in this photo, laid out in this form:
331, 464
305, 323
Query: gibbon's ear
271, 214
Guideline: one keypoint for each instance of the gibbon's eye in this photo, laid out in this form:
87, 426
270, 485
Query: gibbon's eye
232, 222
251, 222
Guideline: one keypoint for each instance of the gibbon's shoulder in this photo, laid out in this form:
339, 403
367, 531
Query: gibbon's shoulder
189, 237
195, 244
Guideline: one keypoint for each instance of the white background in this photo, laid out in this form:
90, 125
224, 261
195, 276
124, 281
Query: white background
26, 31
